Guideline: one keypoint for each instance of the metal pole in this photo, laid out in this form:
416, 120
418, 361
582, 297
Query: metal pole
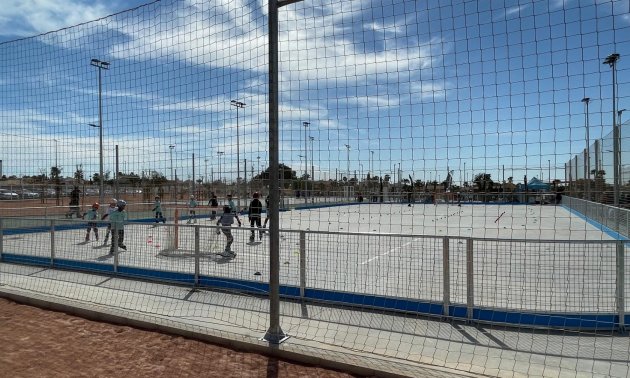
52, 242
101, 194
245, 176
116, 175
611, 60
470, 279
302, 263
620, 282
197, 249
306, 124
587, 158
274, 333
1, 238
446, 277
193, 174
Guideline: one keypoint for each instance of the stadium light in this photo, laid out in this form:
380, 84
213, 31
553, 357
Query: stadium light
348, 167
619, 113
219, 153
306, 125
611, 60
101, 65
100, 159
238, 105
587, 158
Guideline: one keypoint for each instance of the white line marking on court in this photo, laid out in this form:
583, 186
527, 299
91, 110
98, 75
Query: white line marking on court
388, 252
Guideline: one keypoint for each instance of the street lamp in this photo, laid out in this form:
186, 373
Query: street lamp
305, 124
205, 176
549, 169
611, 60
219, 153
372, 162
619, 113
311, 138
101, 65
348, 167
100, 165
238, 105
587, 160
171, 147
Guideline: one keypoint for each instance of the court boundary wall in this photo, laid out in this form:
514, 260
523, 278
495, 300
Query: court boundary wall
599, 321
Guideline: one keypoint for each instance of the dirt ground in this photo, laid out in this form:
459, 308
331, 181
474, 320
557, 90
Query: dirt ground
41, 343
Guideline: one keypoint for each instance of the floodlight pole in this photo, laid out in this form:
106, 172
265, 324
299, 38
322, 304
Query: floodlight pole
348, 161
238, 105
305, 124
312, 170
611, 60
587, 158
171, 147
274, 334
101, 65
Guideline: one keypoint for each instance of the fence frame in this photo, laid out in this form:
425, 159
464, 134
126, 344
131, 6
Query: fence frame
465, 311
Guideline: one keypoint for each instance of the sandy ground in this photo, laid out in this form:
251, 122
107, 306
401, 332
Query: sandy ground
41, 343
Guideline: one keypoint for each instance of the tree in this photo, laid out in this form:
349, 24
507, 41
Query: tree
484, 181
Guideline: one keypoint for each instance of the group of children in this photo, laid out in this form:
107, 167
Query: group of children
116, 215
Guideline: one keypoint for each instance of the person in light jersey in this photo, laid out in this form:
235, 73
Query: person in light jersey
92, 217
110, 209
192, 213
117, 219
225, 221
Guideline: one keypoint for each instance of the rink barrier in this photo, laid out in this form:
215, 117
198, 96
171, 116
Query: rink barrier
468, 311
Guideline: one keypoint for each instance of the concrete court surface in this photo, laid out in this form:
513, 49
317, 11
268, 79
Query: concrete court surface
522, 274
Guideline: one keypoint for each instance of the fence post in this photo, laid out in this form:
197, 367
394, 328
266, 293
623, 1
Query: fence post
52, 242
446, 277
302, 263
470, 280
1, 239
620, 269
115, 243
196, 255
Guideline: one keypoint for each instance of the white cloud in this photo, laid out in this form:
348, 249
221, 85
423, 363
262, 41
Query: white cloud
31, 17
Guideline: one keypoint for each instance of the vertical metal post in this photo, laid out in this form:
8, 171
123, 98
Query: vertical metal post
446, 277
619, 282
52, 242
116, 175
101, 179
302, 263
470, 280
115, 242
274, 334
1, 238
197, 255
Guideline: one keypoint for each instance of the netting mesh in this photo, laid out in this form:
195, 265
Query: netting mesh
451, 185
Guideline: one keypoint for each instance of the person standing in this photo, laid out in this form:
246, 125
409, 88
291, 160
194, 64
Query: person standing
255, 214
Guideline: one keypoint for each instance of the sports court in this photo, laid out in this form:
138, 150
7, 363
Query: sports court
532, 258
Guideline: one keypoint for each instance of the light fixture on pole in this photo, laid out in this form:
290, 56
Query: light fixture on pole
611, 60
219, 153
101, 65
171, 147
306, 125
238, 105
587, 158
348, 167
101, 179
311, 138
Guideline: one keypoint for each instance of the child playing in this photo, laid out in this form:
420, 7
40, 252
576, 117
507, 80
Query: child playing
213, 203
192, 204
157, 207
117, 220
231, 204
110, 210
92, 216
226, 220
255, 213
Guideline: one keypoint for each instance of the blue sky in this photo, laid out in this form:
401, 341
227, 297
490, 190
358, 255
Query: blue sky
427, 85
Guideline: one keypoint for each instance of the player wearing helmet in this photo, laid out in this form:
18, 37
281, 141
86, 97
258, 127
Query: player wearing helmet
92, 216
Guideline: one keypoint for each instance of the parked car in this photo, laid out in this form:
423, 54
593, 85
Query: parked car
6, 194
28, 194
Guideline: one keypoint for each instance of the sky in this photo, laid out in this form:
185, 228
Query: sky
387, 86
